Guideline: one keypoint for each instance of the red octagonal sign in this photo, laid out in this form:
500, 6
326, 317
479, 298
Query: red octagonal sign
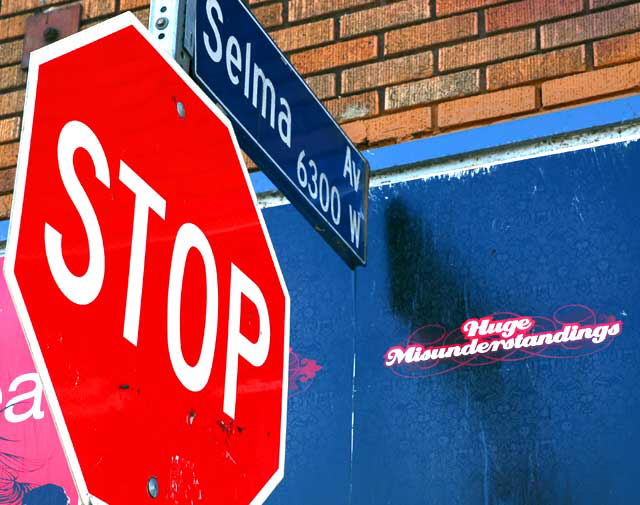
145, 279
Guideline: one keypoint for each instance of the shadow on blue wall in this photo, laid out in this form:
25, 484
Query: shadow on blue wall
527, 237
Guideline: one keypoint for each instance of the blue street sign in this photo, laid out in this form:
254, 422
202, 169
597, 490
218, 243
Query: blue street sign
281, 124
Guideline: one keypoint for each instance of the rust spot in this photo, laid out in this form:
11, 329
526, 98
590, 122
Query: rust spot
224, 427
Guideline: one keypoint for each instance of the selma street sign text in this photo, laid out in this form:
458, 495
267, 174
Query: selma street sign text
282, 125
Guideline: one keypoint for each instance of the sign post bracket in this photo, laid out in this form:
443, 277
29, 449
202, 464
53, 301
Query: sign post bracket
167, 27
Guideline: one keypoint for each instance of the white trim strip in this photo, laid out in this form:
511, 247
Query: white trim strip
486, 159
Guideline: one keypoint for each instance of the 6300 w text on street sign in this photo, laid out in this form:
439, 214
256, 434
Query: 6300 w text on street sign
282, 125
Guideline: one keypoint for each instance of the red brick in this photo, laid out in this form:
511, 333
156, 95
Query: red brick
126, 5
398, 126
356, 131
381, 17
324, 86
247, 161
84, 23
427, 34
7, 178
5, 206
10, 129
336, 55
269, 15
8, 155
96, 8
302, 9
539, 66
527, 12
592, 26
352, 107
13, 102
594, 4
494, 105
309, 34
592, 84
11, 77
616, 50
391, 71
13, 26
487, 49
143, 16
251, 166
444, 7
11, 6
432, 90
10, 52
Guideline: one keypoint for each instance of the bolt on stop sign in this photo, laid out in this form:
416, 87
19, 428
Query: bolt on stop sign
145, 278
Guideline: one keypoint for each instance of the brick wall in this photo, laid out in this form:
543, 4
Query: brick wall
391, 71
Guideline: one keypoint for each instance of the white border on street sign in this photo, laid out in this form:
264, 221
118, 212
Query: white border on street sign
38, 58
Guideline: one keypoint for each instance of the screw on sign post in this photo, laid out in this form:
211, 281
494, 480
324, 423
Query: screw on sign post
145, 279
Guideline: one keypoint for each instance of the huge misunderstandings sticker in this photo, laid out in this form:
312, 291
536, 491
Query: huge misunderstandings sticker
571, 331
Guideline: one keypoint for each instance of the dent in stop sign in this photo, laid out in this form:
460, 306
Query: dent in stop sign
145, 278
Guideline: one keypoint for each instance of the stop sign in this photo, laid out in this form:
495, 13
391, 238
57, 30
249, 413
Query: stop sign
145, 279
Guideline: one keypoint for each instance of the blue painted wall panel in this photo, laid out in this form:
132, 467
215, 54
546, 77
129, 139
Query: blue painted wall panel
319, 416
527, 237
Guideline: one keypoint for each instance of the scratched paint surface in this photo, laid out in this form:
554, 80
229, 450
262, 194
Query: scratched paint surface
525, 237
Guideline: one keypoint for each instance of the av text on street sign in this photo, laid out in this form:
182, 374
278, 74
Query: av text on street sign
281, 124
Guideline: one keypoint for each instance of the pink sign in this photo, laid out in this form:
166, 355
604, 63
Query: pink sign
33, 468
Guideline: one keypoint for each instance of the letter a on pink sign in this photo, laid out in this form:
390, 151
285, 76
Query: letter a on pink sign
37, 470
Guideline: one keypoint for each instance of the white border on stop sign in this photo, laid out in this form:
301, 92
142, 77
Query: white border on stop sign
37, 58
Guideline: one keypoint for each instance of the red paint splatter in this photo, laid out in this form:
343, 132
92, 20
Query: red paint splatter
302, 372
